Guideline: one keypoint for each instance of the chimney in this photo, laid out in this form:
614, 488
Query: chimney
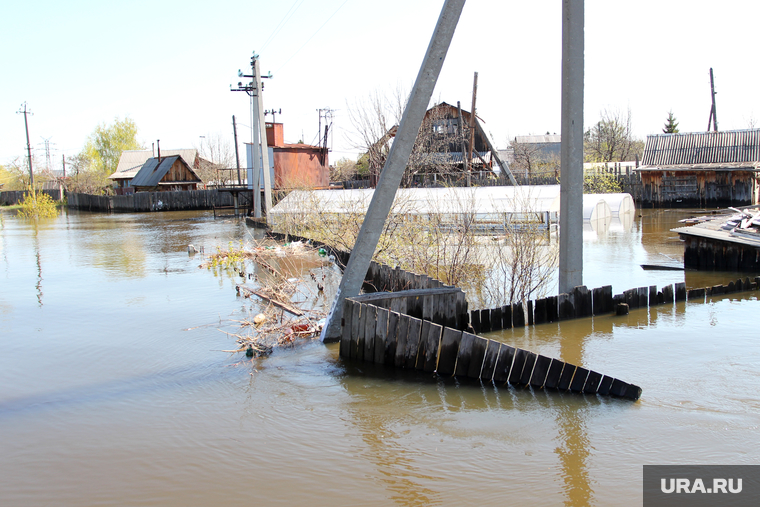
158, 145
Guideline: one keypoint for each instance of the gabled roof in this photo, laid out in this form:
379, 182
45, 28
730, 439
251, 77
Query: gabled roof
131, 161
154, 170
730, 149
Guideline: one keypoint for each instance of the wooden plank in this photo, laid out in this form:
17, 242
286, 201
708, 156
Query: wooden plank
566, 306
530, 362
633, 392
566, 377
592, 382
518, 315
345, 335
540, 371
475, 321
464, 355
681, 291
604, 386
402, 332
360, 334
503, 363
643, 297
731, 288
668, 295
579, 379
420, 364
489, 360
517, 365
539, 311
428, 307
652, 295
485, 321
496, 319
631, 298
530, 312
553, 376
370, 323
432, 341
696, 295
447, 355
506, 317
381, 335
413, 342
601, 300
552, 309
477, 357
618, 388
582, 300
390, 342
462, 319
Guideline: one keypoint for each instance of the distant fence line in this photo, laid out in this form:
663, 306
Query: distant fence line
151, 201
13, 197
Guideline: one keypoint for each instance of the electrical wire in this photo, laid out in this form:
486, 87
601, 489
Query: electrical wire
312, 36
293, 8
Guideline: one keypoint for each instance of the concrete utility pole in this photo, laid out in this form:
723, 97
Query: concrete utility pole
390, 177
571, 155
471, 144
26, 112
259, 150
262, 128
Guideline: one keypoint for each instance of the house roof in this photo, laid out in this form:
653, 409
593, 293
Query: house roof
730, 149
154, 170
131, 161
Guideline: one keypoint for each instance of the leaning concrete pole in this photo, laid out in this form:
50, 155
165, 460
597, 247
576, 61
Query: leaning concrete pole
571, 182
390, 177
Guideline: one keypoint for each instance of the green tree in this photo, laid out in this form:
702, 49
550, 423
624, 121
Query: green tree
671, 125
104, 146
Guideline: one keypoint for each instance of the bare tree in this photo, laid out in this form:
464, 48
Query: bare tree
611, 139
532, 159
216, 152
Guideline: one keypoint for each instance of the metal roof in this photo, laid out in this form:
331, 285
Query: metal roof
732, 149
543, 139
153, 171
131, 161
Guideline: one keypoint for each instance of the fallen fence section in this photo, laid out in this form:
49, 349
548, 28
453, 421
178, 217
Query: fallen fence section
384, 336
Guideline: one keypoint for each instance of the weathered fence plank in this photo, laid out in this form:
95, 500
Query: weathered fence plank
496, 324
485, 321
681, 291
489, 361
530, 362
553, 376
447, 356
568, 372
506, 317
477, 357
517, 366
370, 322
345, 337
504, 363
540, 371
518, 315
381, 335
592, 382
402, 333
464, 355
413, 342
579, 379
390, 342
602, 300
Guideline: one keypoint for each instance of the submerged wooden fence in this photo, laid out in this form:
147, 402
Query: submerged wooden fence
13, 197
151, 201
383, 336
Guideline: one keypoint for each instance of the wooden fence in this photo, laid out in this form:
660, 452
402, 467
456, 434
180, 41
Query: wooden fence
151, 201
383, 336
13, 197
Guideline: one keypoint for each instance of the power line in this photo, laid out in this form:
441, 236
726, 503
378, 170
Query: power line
296, 5
312, 36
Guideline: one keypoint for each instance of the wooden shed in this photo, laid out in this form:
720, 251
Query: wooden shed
165, 174
701, 169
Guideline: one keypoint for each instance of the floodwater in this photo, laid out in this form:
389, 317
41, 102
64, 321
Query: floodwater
114, 389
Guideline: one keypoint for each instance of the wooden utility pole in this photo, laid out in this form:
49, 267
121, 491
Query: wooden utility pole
471, 146
713, 113
26, 113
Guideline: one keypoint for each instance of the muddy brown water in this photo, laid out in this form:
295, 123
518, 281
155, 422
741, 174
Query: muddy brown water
106, 397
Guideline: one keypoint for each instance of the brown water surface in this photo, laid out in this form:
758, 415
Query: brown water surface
114, 389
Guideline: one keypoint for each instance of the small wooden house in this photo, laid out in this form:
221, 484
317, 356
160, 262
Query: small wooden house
701, 169
165, 174
131, 161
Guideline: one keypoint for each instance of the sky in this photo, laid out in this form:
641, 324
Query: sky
168, 65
